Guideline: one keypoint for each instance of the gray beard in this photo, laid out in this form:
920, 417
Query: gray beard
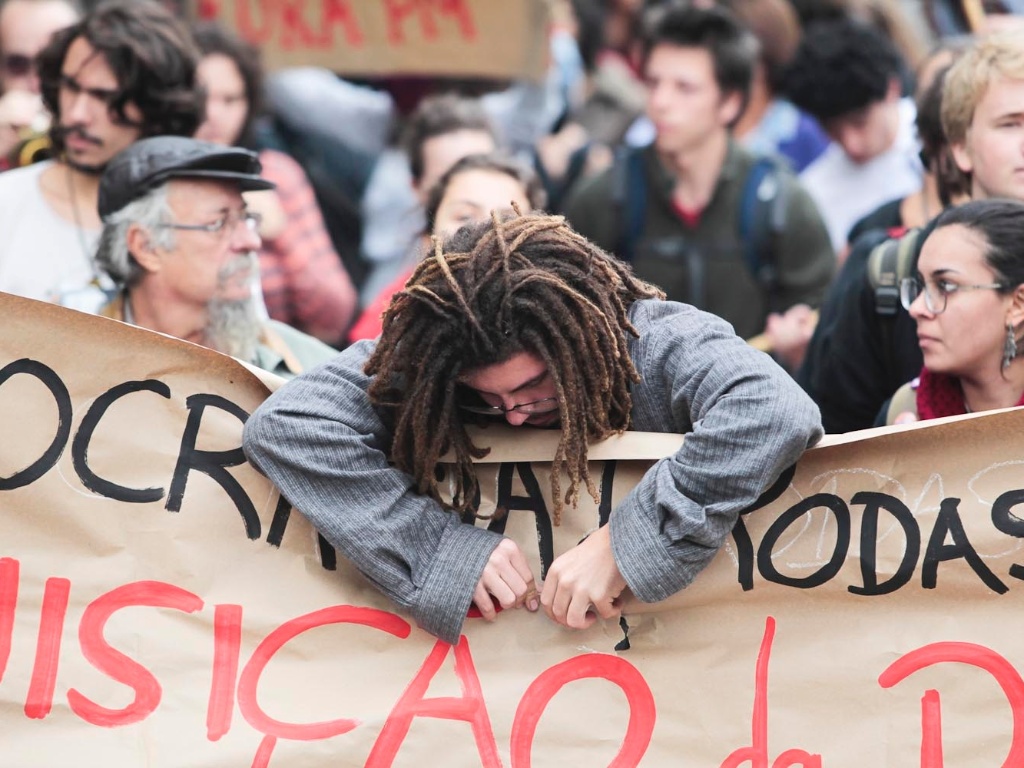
234, 327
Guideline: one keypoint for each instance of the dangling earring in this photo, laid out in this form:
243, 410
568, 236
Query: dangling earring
1009, 346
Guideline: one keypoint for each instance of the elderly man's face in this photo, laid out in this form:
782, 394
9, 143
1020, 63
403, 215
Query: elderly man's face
207, 266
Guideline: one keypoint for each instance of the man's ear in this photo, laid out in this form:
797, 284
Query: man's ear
731, 108
140, 248
895, 90
962, 156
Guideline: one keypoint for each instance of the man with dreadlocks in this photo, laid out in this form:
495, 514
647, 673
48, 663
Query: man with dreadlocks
523, 318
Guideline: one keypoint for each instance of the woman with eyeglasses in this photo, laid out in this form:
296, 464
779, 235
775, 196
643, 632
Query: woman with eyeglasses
968, 302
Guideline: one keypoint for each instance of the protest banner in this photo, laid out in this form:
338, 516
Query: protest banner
161, 606
467, 38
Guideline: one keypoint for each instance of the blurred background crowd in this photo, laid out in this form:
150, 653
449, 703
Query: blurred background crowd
745, 155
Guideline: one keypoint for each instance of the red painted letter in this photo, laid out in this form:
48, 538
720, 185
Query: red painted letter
9, 575
340, 12
964, 653
244, 21
757, 753
227, 639
51, 626
113, 663
469, 707
272, 643
642, 711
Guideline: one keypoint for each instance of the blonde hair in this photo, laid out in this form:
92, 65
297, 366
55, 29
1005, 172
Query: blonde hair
1000, 55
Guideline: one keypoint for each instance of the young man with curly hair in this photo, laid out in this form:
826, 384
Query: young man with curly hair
522, 319
123, 72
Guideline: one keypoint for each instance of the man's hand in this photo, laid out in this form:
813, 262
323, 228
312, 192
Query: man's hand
508, 578
585, 577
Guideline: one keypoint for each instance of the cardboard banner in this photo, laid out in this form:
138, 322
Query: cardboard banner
467, 38
160, 606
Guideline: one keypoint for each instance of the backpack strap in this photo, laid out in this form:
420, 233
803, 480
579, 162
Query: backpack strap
764, 205
629, 199
888, 263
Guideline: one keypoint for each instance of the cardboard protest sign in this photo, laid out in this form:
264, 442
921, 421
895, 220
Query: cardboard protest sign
469, 38
161, 606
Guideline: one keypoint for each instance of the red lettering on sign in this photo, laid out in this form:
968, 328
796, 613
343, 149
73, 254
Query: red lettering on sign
337, 12
642, 710
398, 12
263, 753
39, 700
227, 640
963, 653
116, 665
258, 21
295, 33
9, 576
247, 28
931, 727
757, 753
469, 707
272, 643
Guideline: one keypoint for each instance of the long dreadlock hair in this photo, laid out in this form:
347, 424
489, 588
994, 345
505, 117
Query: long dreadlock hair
512, 284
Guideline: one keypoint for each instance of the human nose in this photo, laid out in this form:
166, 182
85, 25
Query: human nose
79, 111
245, 234
656, 97
516, 418
920, 306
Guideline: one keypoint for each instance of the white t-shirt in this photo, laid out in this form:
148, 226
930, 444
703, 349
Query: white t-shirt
42, 256
845, 191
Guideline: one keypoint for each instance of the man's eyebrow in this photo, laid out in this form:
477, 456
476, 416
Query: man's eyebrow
99, 93
531, 383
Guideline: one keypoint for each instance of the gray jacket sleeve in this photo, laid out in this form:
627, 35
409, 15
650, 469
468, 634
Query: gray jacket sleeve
747, 421
324, 446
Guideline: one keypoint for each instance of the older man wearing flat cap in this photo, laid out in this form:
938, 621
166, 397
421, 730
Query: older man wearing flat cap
181, 245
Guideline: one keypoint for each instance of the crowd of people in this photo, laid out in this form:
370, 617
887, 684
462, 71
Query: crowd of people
616, 246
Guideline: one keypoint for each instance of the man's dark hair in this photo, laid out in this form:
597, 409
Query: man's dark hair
437, 116
733, 48
153, 57
523, 283
496, 162
213, 38
841, 66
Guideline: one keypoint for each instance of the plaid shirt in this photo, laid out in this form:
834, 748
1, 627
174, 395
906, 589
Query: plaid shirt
304, 282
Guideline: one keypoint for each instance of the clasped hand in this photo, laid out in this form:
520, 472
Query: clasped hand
583, 581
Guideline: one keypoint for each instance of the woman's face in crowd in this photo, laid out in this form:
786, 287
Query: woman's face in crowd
226, 103
967, 338
473, 194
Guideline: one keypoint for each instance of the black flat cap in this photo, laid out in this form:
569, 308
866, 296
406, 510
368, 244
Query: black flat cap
148, 163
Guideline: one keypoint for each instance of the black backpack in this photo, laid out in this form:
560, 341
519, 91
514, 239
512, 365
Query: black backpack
762, 216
